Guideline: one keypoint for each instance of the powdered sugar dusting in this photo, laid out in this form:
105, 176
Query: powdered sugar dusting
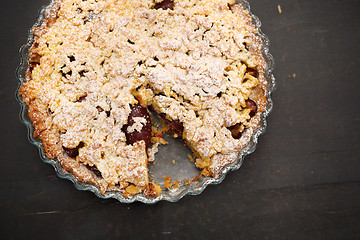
139, 122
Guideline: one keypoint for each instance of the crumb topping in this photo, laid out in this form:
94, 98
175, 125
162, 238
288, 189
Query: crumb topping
139, 122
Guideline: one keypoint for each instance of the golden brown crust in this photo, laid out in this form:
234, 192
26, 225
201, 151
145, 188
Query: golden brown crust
47, 72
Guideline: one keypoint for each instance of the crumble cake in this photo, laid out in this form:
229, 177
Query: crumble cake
96, 68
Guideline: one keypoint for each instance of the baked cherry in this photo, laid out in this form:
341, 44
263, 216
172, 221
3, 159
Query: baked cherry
145, 133
236, 131
251, 71
166, 4
34, 60
73, 152
250, 104
94, 169
176, 127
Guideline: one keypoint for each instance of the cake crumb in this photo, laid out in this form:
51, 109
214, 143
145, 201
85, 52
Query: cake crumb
168, 184
158, 136
191, 158
152, 151
186, 180
131, 190
195, 178
153, 189
175, 185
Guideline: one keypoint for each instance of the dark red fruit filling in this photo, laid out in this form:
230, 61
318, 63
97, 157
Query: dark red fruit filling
166, 4
236, 131
82, 98
176, 127
145, 133
73, 152
251, 71
34, 60
250, 104
95, 170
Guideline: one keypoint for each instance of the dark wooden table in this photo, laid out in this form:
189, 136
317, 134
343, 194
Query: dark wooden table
302, 182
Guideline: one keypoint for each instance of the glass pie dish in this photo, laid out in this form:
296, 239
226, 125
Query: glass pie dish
172, 159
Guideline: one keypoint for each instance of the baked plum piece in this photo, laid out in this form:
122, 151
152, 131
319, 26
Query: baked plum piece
139, 125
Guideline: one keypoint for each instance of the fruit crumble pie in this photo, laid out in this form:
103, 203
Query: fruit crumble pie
98, 67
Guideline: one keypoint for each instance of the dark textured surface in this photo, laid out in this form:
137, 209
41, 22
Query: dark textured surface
302, 182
